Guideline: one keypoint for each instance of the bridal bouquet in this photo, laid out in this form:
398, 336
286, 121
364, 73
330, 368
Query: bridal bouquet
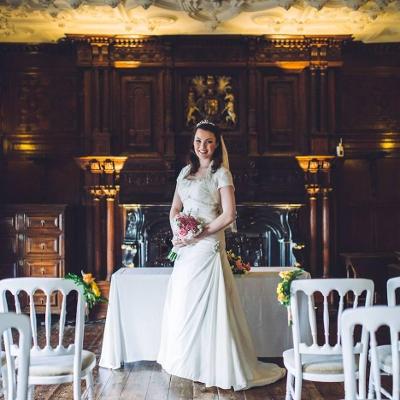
237, 264
283, 288
91, 290
185, 227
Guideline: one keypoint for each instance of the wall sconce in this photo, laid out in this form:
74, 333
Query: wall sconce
94, 166
108, 166
316, 168
313, 166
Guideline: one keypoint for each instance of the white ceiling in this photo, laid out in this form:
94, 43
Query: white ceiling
50, 20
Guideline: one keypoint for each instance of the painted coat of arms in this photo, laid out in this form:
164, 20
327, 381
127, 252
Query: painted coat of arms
211, 97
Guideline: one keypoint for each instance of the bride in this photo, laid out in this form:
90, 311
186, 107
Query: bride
204, 335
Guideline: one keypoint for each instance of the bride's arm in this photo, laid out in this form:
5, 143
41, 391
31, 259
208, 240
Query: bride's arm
176, 208
228, 212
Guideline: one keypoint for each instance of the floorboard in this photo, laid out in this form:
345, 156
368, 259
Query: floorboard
146, 380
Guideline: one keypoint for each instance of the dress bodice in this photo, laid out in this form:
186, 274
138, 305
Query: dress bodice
200, 196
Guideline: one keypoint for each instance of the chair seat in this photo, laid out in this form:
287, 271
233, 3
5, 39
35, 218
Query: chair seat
58, 365
316, 364
384, 358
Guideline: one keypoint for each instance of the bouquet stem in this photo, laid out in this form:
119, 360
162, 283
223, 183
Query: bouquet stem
172, 255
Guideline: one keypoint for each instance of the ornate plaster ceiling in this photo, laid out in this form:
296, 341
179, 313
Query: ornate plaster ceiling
50, 20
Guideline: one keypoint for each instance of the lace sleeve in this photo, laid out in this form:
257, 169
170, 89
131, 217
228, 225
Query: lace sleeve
224, 178
184, 172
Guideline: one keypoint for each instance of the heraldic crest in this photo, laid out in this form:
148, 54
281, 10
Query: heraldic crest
211, 97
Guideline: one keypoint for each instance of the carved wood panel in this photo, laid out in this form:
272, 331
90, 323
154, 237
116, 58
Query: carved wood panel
40, 110
368, 100
281, 116
368, 197
141, 113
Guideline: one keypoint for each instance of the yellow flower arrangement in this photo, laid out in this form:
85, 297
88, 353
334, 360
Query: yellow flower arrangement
91, 290
283, 288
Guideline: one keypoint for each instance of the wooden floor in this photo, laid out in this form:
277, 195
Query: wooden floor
146, 381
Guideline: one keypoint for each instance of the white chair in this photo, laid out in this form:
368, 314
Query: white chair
54, 363
384, 351
21, 323
392, 285
371, 319
320, 362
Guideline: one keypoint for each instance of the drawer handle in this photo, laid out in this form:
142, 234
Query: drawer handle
42, 246
42, 270
42, 222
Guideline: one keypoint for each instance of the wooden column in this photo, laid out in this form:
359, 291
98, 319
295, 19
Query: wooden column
326, 253
101, 181
312, 191
316, 169
313, 100
97, 236
111, 193
323, 123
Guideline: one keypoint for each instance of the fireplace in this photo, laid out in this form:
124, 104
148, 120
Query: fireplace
267, 234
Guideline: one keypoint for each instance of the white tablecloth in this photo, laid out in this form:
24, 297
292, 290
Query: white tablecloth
133, 324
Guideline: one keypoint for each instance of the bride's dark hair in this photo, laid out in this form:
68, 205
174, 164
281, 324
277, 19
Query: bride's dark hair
217, 155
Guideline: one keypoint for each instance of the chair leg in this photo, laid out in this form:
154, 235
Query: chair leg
371, 389
76, 386
289, 386
31, 392
90, 385
298, 384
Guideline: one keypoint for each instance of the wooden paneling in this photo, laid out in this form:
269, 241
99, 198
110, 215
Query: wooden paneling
141, 111
282, 128
368, 100
369, 216
294, 95
39, 101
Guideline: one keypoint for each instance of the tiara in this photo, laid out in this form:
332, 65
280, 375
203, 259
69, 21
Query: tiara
205, 121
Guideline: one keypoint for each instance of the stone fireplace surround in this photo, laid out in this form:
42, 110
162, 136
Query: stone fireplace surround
267, 234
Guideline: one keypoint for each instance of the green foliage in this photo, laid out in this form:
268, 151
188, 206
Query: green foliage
90, 288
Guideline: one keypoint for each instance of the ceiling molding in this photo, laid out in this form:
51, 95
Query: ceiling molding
49, 20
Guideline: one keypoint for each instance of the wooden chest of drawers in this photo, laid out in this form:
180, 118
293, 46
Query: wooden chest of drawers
32, 238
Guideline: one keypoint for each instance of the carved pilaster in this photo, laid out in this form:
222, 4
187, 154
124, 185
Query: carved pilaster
101, 182
312, 191
326, 253
317, 170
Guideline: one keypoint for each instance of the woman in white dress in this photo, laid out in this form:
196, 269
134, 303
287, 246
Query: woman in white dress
205, 336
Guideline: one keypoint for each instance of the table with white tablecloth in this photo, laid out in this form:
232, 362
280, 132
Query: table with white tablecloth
133, 325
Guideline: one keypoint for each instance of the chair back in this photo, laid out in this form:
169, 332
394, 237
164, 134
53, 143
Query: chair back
391, 286
370, 319
48, 287
310, 289
20, 323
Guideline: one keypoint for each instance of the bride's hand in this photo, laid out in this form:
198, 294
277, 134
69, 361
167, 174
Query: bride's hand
178, 242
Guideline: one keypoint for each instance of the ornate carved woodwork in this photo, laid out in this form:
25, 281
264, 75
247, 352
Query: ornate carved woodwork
293, 95
356, 115
36, 119
317, 171
102, 182
281, 102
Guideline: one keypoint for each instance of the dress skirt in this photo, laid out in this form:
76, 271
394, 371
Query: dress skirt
205, 335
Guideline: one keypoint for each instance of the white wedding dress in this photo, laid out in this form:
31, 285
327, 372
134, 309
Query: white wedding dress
205, 336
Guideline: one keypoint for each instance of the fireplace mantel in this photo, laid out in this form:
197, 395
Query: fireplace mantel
267, 234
